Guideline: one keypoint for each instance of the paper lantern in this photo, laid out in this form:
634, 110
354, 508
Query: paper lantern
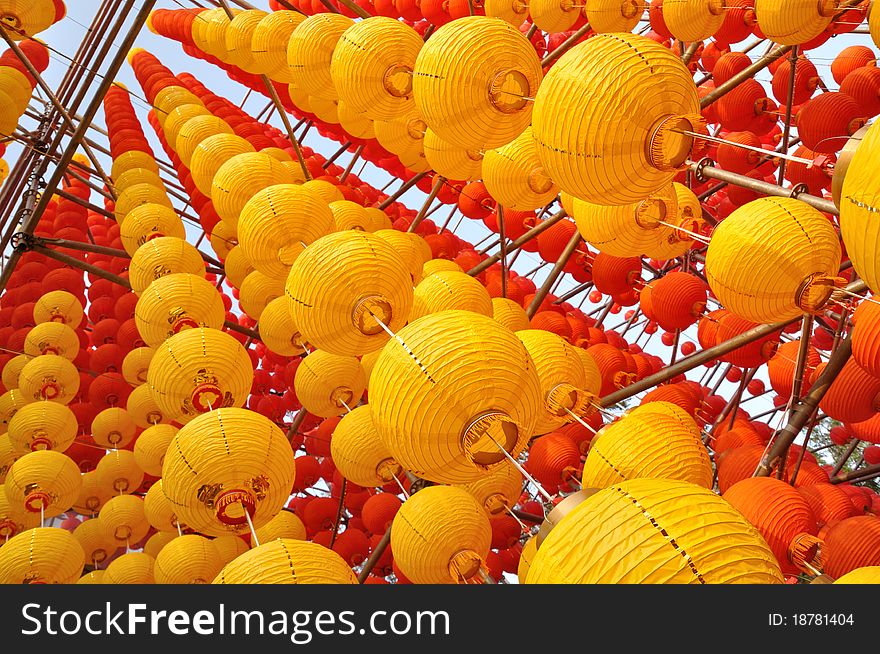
693, 20
96, 542
49, 377
118, 472
27, 18
849, 544
277, 223
13, 519
553, 16
867, 575
284, 525
451, 161
198, 370
163, 256
441, 535
113, 428
151, 446
147, 222
653, 531
142, 408
447, 290
257, 290
772, 260
859, 200
498, 491
613, 16
237, 180
42, 426
432, 405
43, 555
358, 451
473, 82
59, 306
508, 313
515, 176
230, 547
287, 561
92, 496
188, 559
329, 384
310, 51
224, 462
648, 443
277, 330
269, 43
131, 568
124, 518
211, 154
796, 22
43, 482
632, 97
339, 283
136, 364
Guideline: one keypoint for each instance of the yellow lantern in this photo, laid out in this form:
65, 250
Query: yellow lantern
498, 491
131, 568
257, 290
403, 135
230, 547
515, 177
514, 12
367, 363
10, 402
29, 17
49, 377
178, 117
359, 453
554, 15
209, 30
223, 463
59, 306
626, 141
136, 364
434, 266
648, 444
355, 124
411, 247
859, 199
12, 370
693, 20
194, 132
447, 290
278, 222
441, 535
159, 512
628, 230
794, 22
151, 446
474, 80
269, 43
237, 180
8, 456
340, 284
277, 330
138, 176
143, 409
160, 257
591, 371
189, 559
43, 426
451, 161
124, 518
14, 520
113, 428
866, 575
177, 302
329, 384
157, 542
119, 472
131, 160
92, 496
210, 155
526, 557
97, 543
654, 531
310, 51
239, 41
562, 379
43, 482
147, 222
433, 407
330, 192
284, 525
508, 313
613, 15
43, 555
52, 338
237, 267
675, 242
326, 110
874, 25
93, 577
287, 561
372, 66
137, 196
350, 215
773, 259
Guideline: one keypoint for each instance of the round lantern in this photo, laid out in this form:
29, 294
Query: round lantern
151, 446
451, 161
142, 407
849, 544
43, 426
189, 559
654, 531
131, 568
796, 22
508, 313
44, 482
257, 290
92, 496
441, 535
498, 491
284, 525
474, 81
867, 575
49, 377
97, 543
287, 561
198, 370
858, 203
14, 520
41, 556
515, 177
450, 289
177, 302
163, 256
124, 518
118, 472
329, 384
59, 306
338, 287
358, 451
773, 259
693, 20
310, 52
431, 403
147, 222
224, 463
237, 180
136, 364
113, 428
628, 144
277, 330
211, 154
230, 547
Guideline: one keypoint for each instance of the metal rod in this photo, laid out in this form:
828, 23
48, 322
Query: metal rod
375, 555
350, 166
567, 253
518, 243
503, 236
391, 199
435, 189
786, 130
565, 46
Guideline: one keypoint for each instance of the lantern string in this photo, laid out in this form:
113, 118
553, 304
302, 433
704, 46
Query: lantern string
251, 525
694, 235
744, 146
402, 489
522, 470
347, 408
579, 419
179, 531
522, 525
42, 513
